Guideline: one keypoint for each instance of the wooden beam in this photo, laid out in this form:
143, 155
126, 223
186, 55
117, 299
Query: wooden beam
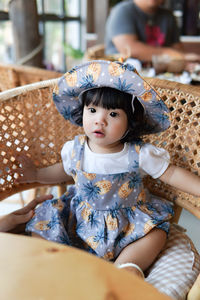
90, 17
24, 18
101, 12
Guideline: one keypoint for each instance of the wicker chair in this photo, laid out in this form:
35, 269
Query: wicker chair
98, 52
30, 123
14, 75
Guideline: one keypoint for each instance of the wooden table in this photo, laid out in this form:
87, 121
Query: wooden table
35, 269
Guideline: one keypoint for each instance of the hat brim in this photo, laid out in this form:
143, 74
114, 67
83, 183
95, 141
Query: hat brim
121, 76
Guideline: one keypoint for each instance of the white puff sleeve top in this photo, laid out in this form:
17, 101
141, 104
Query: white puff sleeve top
152, 160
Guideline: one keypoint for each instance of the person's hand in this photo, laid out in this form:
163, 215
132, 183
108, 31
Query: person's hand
15, 222
192, 57
173, 54
27, 169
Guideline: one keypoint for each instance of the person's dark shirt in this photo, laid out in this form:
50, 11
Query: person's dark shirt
159, 29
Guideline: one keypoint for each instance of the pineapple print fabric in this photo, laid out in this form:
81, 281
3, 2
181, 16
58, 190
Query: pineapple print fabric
101, 213
123, 77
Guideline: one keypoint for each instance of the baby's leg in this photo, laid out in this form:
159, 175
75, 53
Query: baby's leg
37, 235
143, 251
194, 293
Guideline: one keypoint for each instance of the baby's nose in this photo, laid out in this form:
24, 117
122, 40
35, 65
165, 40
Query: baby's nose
100, 119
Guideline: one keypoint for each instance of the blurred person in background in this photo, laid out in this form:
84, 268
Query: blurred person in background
143, 28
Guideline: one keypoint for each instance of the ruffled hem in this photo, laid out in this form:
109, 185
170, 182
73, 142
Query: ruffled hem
103, 232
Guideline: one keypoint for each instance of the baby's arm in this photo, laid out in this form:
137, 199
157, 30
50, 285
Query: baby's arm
182, 179
50, 175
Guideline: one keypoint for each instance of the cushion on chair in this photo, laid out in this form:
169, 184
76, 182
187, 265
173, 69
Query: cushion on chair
177, 266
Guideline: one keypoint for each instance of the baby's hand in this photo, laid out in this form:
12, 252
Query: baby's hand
27, 170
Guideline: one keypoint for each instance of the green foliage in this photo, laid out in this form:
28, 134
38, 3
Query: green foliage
74, 53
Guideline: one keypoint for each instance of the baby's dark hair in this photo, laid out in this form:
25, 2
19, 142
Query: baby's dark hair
110, 98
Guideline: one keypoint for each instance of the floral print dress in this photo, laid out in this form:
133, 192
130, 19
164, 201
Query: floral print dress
101, 213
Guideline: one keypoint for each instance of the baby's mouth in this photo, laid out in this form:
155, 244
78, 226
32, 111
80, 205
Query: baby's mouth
98, 133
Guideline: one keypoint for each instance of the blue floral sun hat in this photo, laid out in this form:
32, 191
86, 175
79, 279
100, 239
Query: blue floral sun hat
121, 76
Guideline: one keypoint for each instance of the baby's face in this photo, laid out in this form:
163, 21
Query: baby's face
104, 128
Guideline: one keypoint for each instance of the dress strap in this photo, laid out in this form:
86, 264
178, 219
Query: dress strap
134, 150
79, 142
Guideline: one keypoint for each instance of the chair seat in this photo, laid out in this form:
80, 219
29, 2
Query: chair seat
177, 266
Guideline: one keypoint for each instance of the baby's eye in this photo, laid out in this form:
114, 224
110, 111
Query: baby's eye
92, 110
113, 114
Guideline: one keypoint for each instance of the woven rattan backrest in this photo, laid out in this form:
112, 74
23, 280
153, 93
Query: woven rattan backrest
95, 52
9, 79
14, 75
182, 139
98, 52
30, 123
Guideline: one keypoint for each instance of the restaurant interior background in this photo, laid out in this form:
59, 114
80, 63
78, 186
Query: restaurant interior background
68, 27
